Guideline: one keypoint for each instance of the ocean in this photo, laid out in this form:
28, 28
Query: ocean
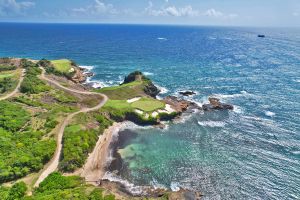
252, 152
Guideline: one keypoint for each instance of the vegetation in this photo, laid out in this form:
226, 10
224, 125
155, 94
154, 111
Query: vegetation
7, 67
78, 142
63, 66
56, 187
22, 153
8, 80
12, 117
125, 91
7, 84
148, 105
31, 83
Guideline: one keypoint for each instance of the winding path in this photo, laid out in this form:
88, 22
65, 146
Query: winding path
53, 164
16, 90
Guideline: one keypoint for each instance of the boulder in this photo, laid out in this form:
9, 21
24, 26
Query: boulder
215, 104
180, 105
187, 93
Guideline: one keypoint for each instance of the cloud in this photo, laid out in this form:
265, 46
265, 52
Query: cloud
97, 8
170, 11
186, 11
13, 7
295, 14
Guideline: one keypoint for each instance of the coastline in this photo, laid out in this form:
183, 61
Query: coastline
95, 167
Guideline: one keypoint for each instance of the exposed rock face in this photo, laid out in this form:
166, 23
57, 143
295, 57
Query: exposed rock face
79, 75
150, 89
215, 104
187, 93
184, 194
180, 105
134, 76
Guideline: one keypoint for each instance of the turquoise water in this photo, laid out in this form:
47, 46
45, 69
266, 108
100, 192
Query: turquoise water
252, 152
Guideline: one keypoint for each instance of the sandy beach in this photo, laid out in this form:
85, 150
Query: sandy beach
94, 168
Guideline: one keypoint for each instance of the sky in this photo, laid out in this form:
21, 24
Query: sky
274, 13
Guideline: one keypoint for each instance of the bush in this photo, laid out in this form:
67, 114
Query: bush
6, 84
12, 117
23, 153
25, 63
7, 67
58, 187
17, 191
76, 146
31, 83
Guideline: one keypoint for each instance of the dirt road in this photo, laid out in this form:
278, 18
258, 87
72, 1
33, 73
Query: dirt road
53, 164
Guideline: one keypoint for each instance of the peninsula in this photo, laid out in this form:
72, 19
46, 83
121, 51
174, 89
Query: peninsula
56, 130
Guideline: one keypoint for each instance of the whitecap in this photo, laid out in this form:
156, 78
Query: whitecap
163, 90
148, 74
212, 123
175, 186
297, 81
269, 114
241, 94
95, 84
162, 38
212, 38
237, 109
136, 190
87, 67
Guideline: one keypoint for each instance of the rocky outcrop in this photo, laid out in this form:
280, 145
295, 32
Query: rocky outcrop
187, 93
135, 76
180, 105
215, 104
79, 75
151, 90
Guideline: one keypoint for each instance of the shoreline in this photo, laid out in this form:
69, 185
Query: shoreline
95, 167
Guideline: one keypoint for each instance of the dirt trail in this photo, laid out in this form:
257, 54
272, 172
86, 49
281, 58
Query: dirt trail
16, 90
53, 164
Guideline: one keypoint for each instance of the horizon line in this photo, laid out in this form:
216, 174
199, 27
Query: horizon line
145, 24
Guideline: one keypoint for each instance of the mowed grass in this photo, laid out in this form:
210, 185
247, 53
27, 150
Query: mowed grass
62, 65
148, 105
118, 104
124, 92
144, 104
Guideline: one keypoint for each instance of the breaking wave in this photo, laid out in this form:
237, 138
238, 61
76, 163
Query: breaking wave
212, 123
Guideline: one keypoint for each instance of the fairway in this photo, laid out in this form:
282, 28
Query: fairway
62, 65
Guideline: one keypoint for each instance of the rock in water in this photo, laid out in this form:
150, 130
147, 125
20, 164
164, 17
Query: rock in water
187, 93
215, 104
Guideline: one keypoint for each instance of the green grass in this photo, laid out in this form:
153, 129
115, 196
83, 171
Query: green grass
63, 65
148, 105
6, 75
124, 92
119, 104
144, 104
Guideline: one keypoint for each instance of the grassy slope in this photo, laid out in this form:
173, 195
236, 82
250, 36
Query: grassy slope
14, 75
124, 92
63, 65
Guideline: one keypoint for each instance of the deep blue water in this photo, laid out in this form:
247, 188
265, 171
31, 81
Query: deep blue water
250, 153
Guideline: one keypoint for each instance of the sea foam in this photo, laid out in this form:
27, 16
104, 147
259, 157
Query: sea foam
270, 114
212, 123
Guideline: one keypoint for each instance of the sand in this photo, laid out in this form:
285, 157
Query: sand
95, 166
